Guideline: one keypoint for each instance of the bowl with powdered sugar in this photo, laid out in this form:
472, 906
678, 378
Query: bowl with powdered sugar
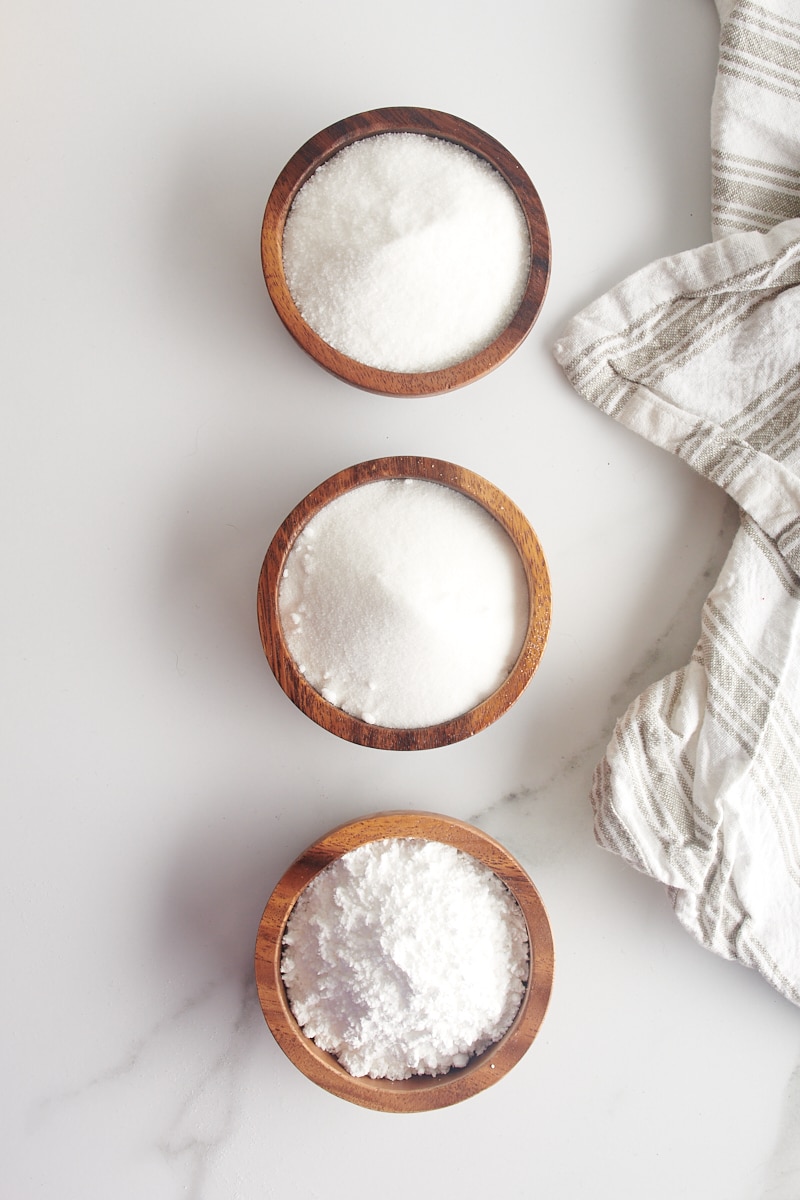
404, 603
404, 962
406, 250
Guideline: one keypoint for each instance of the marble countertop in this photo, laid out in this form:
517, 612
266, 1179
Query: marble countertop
160, 424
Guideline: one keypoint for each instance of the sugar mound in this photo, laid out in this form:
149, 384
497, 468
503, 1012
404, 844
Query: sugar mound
405, 957
404, 603
406, 252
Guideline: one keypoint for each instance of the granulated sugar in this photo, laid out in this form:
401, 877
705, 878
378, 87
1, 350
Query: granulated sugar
406, 252
404, 603
405, 957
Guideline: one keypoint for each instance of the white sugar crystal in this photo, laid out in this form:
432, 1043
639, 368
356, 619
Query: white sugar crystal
406, 252
412, 599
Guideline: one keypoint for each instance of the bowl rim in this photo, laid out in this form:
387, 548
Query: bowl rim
336, 720
321, 147
421, 1093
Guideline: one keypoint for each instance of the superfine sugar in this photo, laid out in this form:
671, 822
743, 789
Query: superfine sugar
405, 957
404, 603
406, 252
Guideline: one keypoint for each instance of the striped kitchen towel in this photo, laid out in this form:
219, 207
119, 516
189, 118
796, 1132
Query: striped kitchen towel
700, 353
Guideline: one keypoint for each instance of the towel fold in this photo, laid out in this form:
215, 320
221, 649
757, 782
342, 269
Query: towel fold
700, 354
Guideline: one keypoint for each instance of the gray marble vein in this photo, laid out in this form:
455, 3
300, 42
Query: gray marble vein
782, 1171
197, 1109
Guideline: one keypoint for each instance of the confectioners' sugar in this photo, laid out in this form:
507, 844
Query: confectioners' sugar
406, 252
405, 957
404, 603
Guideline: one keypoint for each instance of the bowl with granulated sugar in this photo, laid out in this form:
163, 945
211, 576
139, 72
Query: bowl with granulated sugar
404, 961
406, 250
404, 603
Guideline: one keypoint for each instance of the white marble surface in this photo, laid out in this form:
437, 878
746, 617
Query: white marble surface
159, 424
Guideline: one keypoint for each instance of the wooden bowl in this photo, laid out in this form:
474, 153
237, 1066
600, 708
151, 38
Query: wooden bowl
421, 1092
336, 720
318, 150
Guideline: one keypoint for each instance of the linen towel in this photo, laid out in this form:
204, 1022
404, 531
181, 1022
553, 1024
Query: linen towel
700, 353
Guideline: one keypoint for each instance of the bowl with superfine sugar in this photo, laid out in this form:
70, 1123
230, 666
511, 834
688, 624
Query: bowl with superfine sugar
404, 961
406, 251
404, 604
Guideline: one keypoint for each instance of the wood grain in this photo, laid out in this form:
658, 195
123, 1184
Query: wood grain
318, 150
421, 1092
335, 720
